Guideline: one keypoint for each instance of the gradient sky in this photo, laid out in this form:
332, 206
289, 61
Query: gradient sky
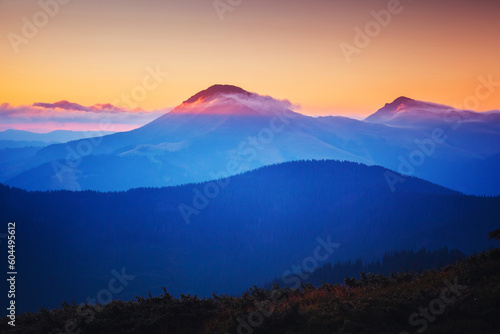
92, 51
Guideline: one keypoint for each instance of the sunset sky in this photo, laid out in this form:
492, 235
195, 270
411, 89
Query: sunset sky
93, 51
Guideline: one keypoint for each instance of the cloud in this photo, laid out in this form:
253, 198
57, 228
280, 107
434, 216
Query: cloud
236, 104
72, 116
64, 115
261, 102
106, 107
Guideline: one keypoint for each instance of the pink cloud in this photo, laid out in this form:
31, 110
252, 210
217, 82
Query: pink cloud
64, 115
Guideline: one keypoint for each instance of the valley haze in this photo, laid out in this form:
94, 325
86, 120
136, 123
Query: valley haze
196, 200
225, 130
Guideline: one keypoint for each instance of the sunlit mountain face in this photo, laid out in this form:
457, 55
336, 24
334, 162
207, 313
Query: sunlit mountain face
229, 101
225, 130
408, 112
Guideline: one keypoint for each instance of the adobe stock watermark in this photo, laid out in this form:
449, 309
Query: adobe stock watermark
483, 91
67, 172
31, 26
436, 307
115, 286
150, 82
299, 273
427, 147
372, 29
247, 150
407, 166
223, 6
295, 275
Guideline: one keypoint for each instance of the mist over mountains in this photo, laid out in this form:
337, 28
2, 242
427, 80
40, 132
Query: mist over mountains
226, 130
232, 189
44, 139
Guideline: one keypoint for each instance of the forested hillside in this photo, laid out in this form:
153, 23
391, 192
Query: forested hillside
226, 235
461, 299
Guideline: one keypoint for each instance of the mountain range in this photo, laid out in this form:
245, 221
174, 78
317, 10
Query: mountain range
27, 138
225, 130
225, 235
232, 189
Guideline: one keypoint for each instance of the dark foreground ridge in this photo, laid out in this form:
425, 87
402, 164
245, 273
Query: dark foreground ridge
462, 298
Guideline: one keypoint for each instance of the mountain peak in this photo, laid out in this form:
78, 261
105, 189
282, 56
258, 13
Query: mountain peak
216, 90
406, 111
401, 99
398, 104
388, 111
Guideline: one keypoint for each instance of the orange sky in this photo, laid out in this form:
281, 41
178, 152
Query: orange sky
94, 51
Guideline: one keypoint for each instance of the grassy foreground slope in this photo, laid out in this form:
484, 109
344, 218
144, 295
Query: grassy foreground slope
462, 298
